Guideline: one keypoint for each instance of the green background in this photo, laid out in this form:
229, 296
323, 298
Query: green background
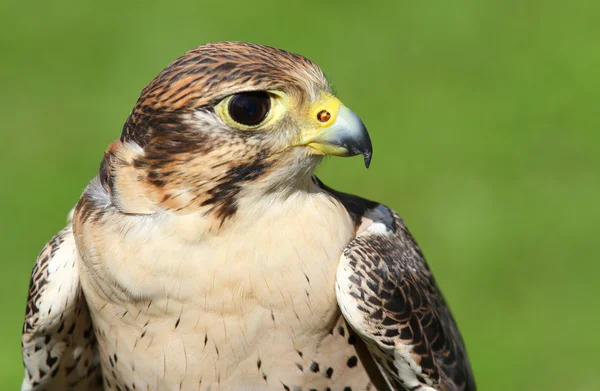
484, 120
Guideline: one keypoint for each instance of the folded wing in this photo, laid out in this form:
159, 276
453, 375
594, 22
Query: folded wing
388, 295
58, 341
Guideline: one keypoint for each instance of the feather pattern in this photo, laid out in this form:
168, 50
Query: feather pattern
189, 210
59, 345
389, 296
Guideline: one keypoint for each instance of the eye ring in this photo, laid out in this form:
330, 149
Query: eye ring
249, 108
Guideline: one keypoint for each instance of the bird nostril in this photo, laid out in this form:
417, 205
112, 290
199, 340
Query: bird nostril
323, 116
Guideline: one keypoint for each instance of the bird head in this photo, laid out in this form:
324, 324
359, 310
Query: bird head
227, 120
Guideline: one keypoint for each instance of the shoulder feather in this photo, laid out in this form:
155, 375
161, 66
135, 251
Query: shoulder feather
58, 341
389, 296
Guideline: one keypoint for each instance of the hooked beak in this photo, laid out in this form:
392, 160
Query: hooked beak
340, 132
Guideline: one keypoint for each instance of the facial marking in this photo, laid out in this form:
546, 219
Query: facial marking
214, 124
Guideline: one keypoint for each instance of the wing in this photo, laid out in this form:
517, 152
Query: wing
388, 295
59, 345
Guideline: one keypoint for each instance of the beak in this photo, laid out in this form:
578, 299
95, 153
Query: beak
339, 133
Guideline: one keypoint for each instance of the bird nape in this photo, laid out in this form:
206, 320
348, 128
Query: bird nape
206, 255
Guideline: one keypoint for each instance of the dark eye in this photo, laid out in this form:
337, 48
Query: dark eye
249, 108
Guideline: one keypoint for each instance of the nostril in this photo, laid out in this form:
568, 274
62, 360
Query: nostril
323, 116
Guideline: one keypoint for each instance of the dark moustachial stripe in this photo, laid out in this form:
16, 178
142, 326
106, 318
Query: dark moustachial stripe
223, 195
173, 121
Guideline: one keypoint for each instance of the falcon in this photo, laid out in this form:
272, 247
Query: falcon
206, 255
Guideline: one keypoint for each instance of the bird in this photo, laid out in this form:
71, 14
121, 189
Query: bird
207, 255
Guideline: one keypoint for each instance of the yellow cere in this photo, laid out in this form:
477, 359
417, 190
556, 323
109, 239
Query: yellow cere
317, 128
328, 103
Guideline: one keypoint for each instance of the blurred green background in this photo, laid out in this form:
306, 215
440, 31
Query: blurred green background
484, 122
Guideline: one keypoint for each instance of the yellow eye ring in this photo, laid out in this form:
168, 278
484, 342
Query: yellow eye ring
249, 108
252, 109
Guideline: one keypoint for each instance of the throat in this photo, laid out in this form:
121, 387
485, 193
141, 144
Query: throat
271, 267
277, 250
271, 241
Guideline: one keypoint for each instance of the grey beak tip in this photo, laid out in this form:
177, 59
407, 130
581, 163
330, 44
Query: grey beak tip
368, 157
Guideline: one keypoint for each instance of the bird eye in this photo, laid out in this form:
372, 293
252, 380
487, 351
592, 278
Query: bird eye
249, 108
